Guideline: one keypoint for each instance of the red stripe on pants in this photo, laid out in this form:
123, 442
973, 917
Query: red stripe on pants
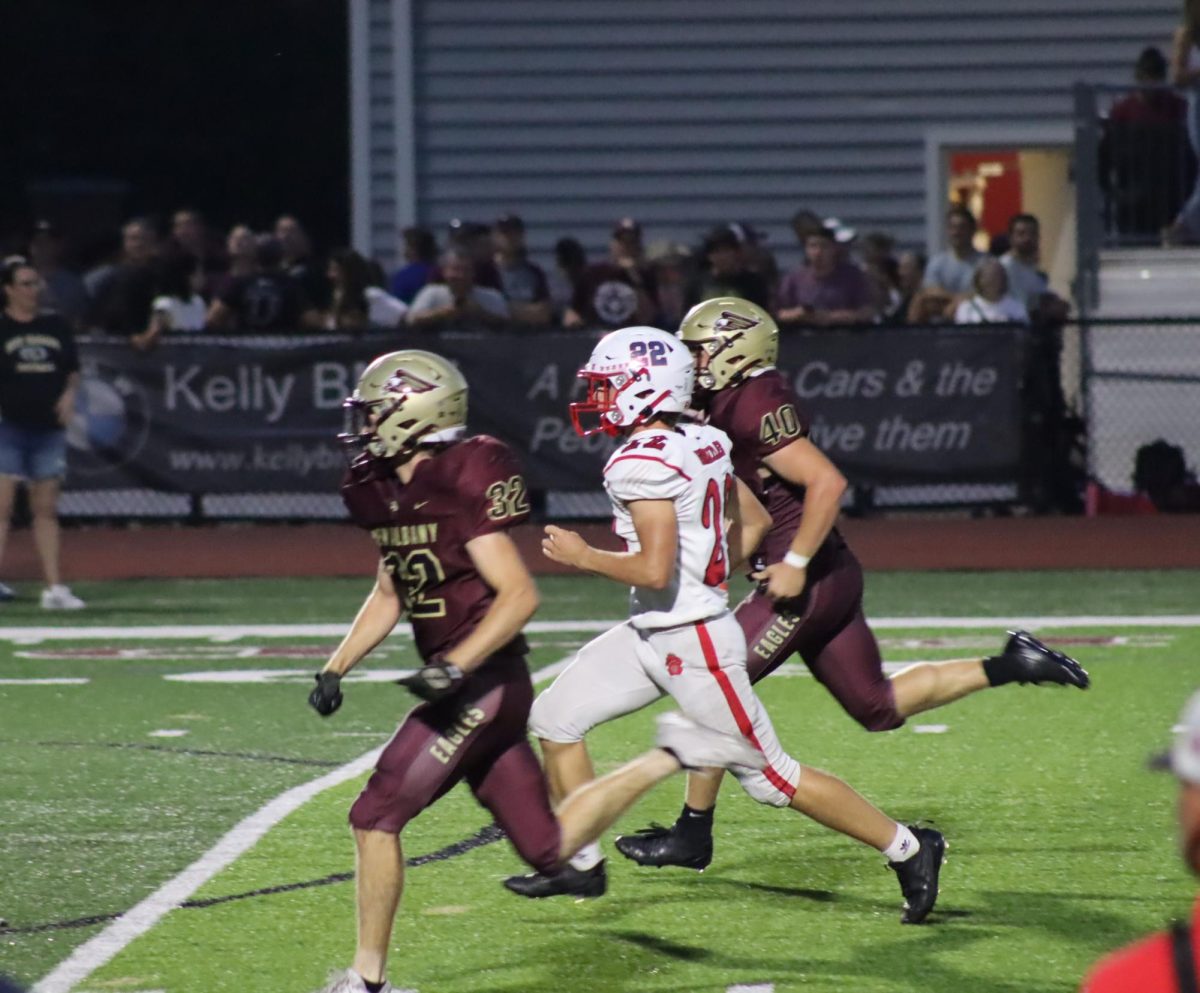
735, 706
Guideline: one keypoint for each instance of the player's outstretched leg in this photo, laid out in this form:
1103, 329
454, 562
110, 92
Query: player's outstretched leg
1027, 660
588, 811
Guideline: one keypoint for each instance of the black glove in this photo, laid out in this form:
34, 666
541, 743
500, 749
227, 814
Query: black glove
326, 696
434, 681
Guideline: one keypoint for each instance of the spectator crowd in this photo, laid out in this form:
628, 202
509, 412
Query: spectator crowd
184, 277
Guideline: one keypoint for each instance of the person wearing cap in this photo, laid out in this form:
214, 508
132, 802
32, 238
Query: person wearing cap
523, 282
626, 250
724, 272
804, 223
828, 290
1169, 960
618, 292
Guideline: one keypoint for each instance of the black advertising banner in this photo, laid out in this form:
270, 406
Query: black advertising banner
198, 416
912, 405
212, 416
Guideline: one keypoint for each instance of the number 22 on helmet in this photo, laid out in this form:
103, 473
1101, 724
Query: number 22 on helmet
633, 375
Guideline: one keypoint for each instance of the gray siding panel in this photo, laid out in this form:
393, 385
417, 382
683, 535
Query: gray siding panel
576, 112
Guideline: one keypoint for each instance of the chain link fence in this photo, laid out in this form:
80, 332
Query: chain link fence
1141, 384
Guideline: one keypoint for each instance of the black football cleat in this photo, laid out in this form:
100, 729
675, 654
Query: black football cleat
919, 875
579, 883
1035, 663
658, 846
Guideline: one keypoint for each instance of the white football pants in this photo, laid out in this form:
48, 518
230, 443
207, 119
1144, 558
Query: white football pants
701, 665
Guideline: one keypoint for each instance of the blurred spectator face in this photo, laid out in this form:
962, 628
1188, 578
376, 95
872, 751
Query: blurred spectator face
268, 252
960, 229
419, 245
626, 243
508, 237
458, 274
1150, 68
471, 238
626, 246
724, 259
991, 280
804, 223
876, 248
569, 256
910, 272
22, 291
292, 237
187, 229
821, 253
138, 242
44, 249
241, 244
1024, 238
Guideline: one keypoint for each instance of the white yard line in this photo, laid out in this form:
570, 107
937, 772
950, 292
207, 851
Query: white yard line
228, 632
94, 953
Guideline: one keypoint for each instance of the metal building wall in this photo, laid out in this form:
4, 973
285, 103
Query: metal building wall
685, 113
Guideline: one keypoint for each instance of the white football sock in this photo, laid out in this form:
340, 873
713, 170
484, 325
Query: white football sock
587, 857
903, 847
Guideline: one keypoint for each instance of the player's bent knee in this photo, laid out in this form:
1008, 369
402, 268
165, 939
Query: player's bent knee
877, 712
548, 725
376, 808
773, 786
761, 789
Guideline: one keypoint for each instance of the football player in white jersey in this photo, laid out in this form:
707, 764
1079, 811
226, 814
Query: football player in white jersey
686, 520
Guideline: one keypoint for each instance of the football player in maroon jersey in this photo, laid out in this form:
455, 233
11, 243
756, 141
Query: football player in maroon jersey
440, 505
809, 600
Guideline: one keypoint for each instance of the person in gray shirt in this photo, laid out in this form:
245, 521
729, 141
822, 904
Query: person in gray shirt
455, 302
951, 270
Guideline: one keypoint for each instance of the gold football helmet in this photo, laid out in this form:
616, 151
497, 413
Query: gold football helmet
402, 401
737, 335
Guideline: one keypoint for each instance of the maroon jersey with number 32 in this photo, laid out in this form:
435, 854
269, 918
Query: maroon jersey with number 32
422, 527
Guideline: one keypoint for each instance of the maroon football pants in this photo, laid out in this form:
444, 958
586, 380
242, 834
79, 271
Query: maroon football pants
477, 735
825, 626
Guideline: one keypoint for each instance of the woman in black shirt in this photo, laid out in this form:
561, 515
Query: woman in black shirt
39, 374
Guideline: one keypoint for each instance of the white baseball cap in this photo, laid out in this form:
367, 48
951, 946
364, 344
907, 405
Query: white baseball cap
1183, 757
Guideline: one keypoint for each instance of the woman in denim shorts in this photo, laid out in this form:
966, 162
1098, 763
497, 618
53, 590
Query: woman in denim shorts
39, 374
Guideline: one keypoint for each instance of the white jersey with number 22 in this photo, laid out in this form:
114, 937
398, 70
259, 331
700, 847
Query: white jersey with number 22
690, 466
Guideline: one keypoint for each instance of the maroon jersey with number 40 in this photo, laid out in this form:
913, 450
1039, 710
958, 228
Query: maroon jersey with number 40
761, 417
422, 527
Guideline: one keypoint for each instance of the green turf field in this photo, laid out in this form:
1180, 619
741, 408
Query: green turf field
1062, 846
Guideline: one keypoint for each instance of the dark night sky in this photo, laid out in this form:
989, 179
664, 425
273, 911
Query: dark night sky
238, 107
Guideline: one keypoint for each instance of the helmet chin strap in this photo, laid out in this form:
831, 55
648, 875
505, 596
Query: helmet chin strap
648, 411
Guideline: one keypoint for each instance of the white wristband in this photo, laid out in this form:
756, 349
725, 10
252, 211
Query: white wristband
796, 560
